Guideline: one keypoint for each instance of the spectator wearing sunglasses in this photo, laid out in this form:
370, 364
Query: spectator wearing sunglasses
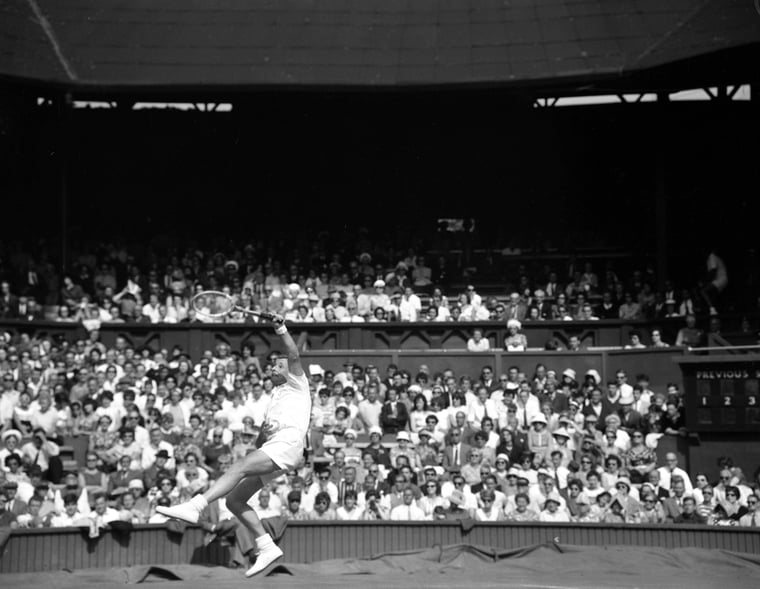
751, 519
322, 508
323, 484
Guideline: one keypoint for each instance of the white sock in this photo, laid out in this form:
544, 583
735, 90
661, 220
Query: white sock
264, 542
199, 502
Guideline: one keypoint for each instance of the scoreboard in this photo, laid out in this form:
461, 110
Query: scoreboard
722, 393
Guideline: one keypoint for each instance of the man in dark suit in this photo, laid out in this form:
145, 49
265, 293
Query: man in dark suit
29, 310
540, 303
515, 309
487, 379
456, 452
630, 419
599, 406
14, 505
158, 469
653, 483
394, 415
8, 301
673, 505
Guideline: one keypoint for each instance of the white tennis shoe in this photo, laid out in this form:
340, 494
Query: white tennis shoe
264, 559
184, 511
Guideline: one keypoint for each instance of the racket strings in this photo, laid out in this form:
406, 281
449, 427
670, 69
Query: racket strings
213, 303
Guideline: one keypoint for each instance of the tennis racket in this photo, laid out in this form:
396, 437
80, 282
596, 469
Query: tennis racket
215, 304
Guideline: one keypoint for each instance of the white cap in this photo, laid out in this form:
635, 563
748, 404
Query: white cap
553, 497
514, 323
594, 374
349, 432
539, 418
569, 372
379, 283
12, 432
315, 369
136, 484
375, 430
403, 435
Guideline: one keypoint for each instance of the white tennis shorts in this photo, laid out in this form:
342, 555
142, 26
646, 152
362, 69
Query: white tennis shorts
285, 448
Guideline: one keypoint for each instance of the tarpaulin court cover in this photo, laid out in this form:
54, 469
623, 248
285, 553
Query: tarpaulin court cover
547, 566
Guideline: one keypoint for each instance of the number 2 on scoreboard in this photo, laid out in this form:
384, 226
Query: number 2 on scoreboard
726, 401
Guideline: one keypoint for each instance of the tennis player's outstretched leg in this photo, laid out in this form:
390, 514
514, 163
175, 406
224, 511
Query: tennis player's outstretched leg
281, 444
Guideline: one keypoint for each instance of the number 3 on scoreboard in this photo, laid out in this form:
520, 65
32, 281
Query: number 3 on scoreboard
752, 400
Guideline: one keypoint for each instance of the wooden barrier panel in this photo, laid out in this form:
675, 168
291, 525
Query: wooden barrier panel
304, 542
196, 337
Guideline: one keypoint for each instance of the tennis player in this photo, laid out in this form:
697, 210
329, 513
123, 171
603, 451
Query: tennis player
280, 448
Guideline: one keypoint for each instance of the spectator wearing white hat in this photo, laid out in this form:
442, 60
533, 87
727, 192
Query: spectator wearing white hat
630, 419
546, 487
461, 504
11, 439
561, 446
553, 511
404, 447
379, 298
515, 340
380, 454
539, 437
352, 453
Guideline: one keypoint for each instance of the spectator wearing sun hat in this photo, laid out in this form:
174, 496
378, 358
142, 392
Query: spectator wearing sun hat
352, 453
404, 447
379, 298
552, 510
427, 448
380, 454
515, 341
539, 437
11, 439
457, 509
630, 419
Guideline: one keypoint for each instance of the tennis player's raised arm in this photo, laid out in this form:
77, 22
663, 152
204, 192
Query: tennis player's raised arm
291, 349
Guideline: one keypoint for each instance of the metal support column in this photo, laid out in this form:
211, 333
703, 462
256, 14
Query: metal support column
661, 199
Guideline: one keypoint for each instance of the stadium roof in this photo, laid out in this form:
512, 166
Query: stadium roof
145, 45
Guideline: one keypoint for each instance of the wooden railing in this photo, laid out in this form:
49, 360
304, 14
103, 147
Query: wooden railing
70, 548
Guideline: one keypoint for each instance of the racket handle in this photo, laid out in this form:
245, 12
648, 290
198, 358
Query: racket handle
267, 316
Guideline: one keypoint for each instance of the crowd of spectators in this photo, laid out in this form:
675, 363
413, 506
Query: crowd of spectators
541, 445
318, 285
